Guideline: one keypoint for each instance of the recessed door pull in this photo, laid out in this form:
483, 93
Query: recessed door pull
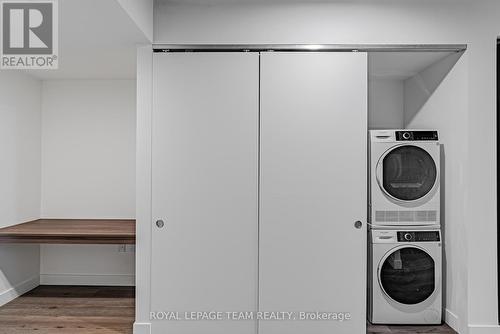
358, 224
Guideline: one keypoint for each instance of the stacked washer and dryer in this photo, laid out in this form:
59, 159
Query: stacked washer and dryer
404, 262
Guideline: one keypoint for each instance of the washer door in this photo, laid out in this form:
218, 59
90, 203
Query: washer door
408, 173
407, 275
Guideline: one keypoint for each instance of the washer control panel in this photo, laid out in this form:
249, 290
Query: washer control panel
418, 236
416, 135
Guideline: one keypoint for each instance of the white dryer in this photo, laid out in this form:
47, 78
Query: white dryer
404, 178
404, 277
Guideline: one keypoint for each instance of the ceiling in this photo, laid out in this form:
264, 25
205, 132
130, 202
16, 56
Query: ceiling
401, 65
250, 2
97, 40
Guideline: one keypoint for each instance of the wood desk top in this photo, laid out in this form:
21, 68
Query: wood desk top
71, 231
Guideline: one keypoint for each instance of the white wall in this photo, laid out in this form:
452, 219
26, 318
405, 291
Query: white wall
20, 97
143, 187
142, 14
295, 21
385, 103
390, 21
449, 115
88, 171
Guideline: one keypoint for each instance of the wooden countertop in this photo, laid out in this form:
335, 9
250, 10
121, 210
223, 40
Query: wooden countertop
71, 231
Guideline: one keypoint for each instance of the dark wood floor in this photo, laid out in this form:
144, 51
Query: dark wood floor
103, 310
444, 329
70, 309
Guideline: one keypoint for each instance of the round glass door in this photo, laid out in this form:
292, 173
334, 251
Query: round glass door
407, 275
408, 173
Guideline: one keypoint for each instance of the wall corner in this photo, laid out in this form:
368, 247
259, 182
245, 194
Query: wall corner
142, 328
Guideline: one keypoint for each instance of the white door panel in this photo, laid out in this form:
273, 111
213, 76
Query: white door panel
205, 188
313, 189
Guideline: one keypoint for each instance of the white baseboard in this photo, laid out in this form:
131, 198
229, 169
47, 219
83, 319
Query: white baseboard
142, 328
452, 320
484, 329
19, 289
71, 279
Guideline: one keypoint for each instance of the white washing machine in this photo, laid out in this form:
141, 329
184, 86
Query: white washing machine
405, 277
404, 178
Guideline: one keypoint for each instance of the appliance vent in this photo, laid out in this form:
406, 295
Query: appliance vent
406, 216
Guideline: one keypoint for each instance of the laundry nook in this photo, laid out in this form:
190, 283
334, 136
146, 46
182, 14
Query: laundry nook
249, 167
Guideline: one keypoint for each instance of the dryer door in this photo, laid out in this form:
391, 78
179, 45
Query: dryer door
408, 173
407, 275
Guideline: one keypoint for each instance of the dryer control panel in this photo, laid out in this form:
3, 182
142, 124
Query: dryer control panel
418, 236
416, 135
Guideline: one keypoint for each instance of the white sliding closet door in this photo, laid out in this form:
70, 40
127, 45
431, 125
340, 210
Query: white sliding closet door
205, 188
313, 190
